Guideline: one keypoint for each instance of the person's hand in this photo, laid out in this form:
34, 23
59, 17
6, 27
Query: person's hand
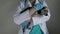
31, 11
38, 6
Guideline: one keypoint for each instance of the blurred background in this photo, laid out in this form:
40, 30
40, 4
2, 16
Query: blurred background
8, 8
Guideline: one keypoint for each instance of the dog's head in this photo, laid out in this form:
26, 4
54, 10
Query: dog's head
43, 11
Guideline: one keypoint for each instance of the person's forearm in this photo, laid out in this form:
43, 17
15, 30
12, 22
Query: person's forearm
31, 11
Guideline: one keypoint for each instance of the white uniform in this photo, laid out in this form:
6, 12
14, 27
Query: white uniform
41, 20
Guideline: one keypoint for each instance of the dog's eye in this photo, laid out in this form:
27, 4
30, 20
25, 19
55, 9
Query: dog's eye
45, 10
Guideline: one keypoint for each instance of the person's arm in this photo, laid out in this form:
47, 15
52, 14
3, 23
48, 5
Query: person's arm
31, 11
20, 18
46, 17
41, 19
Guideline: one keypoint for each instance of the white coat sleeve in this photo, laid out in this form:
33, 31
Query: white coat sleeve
46, 18
41, 19
20, 18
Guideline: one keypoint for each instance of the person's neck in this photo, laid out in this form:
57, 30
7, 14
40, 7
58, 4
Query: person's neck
33, 3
